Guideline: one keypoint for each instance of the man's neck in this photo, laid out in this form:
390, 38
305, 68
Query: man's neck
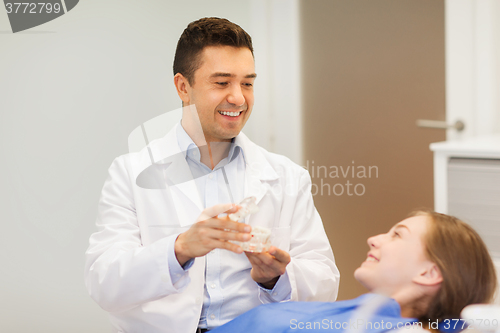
212, 151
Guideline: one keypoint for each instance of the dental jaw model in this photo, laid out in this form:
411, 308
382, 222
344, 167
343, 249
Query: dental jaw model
260, 241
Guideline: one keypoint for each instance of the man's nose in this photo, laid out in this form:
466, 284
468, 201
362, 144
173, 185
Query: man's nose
235, 96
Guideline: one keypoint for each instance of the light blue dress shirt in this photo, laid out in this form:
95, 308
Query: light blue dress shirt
220, 300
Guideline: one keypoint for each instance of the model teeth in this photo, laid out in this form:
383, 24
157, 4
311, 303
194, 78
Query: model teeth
371, 259
231, 114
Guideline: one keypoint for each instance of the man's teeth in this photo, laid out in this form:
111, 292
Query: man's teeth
371, 259
231, 114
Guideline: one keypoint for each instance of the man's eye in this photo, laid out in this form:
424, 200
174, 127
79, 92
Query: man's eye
221, 83
248, 84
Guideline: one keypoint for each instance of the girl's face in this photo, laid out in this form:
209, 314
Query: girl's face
396, 258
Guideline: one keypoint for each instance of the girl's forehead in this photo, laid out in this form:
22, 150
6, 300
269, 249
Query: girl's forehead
414, 225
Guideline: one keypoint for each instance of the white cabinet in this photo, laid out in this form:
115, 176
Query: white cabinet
467, 185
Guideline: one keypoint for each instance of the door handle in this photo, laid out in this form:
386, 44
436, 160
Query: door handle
458, 125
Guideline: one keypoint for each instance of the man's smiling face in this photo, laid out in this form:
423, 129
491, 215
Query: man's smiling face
222, 91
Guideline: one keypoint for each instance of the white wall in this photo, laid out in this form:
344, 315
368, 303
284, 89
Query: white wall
71, 91
473, 66
275, 30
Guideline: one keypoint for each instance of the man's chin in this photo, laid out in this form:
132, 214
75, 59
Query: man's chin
229, 135
221, 135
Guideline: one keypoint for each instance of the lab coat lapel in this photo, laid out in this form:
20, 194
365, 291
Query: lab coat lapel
258, 172
178, 178
184, 191
254, 186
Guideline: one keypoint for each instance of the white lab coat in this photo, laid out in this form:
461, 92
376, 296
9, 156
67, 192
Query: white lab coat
126, 269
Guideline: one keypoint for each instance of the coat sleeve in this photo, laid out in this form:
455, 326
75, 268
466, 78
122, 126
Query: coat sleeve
312, 271
120, 272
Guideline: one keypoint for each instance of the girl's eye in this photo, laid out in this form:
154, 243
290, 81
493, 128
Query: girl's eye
395, 234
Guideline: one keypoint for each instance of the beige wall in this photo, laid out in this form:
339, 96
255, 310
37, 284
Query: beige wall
371, 68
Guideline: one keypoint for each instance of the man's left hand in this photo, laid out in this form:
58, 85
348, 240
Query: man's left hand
267, 267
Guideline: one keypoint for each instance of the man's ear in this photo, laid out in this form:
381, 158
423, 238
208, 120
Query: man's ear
182, 85
429, 276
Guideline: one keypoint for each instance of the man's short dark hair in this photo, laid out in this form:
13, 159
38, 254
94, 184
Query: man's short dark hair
208, 31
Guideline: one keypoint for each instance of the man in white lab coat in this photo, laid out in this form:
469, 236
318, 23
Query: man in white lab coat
162, 260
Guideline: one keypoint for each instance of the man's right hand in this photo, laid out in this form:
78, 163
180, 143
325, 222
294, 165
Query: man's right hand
211, 232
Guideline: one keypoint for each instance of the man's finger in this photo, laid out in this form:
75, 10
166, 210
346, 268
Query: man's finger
254, 259
226, 224
268, 259
214, 211
228, 235
263, 259
229, 246
279, 255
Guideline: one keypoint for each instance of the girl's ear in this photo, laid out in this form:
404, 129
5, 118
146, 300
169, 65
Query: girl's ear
429, 276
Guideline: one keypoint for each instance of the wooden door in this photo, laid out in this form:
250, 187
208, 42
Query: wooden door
371, 68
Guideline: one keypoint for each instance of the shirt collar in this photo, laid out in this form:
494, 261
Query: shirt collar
184, 140
187, 144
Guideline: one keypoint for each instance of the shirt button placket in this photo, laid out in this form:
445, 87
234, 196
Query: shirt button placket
212, 198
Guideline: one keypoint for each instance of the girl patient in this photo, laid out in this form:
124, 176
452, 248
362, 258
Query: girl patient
429, 266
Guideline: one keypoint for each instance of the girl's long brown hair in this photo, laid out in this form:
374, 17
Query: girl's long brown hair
466, 267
